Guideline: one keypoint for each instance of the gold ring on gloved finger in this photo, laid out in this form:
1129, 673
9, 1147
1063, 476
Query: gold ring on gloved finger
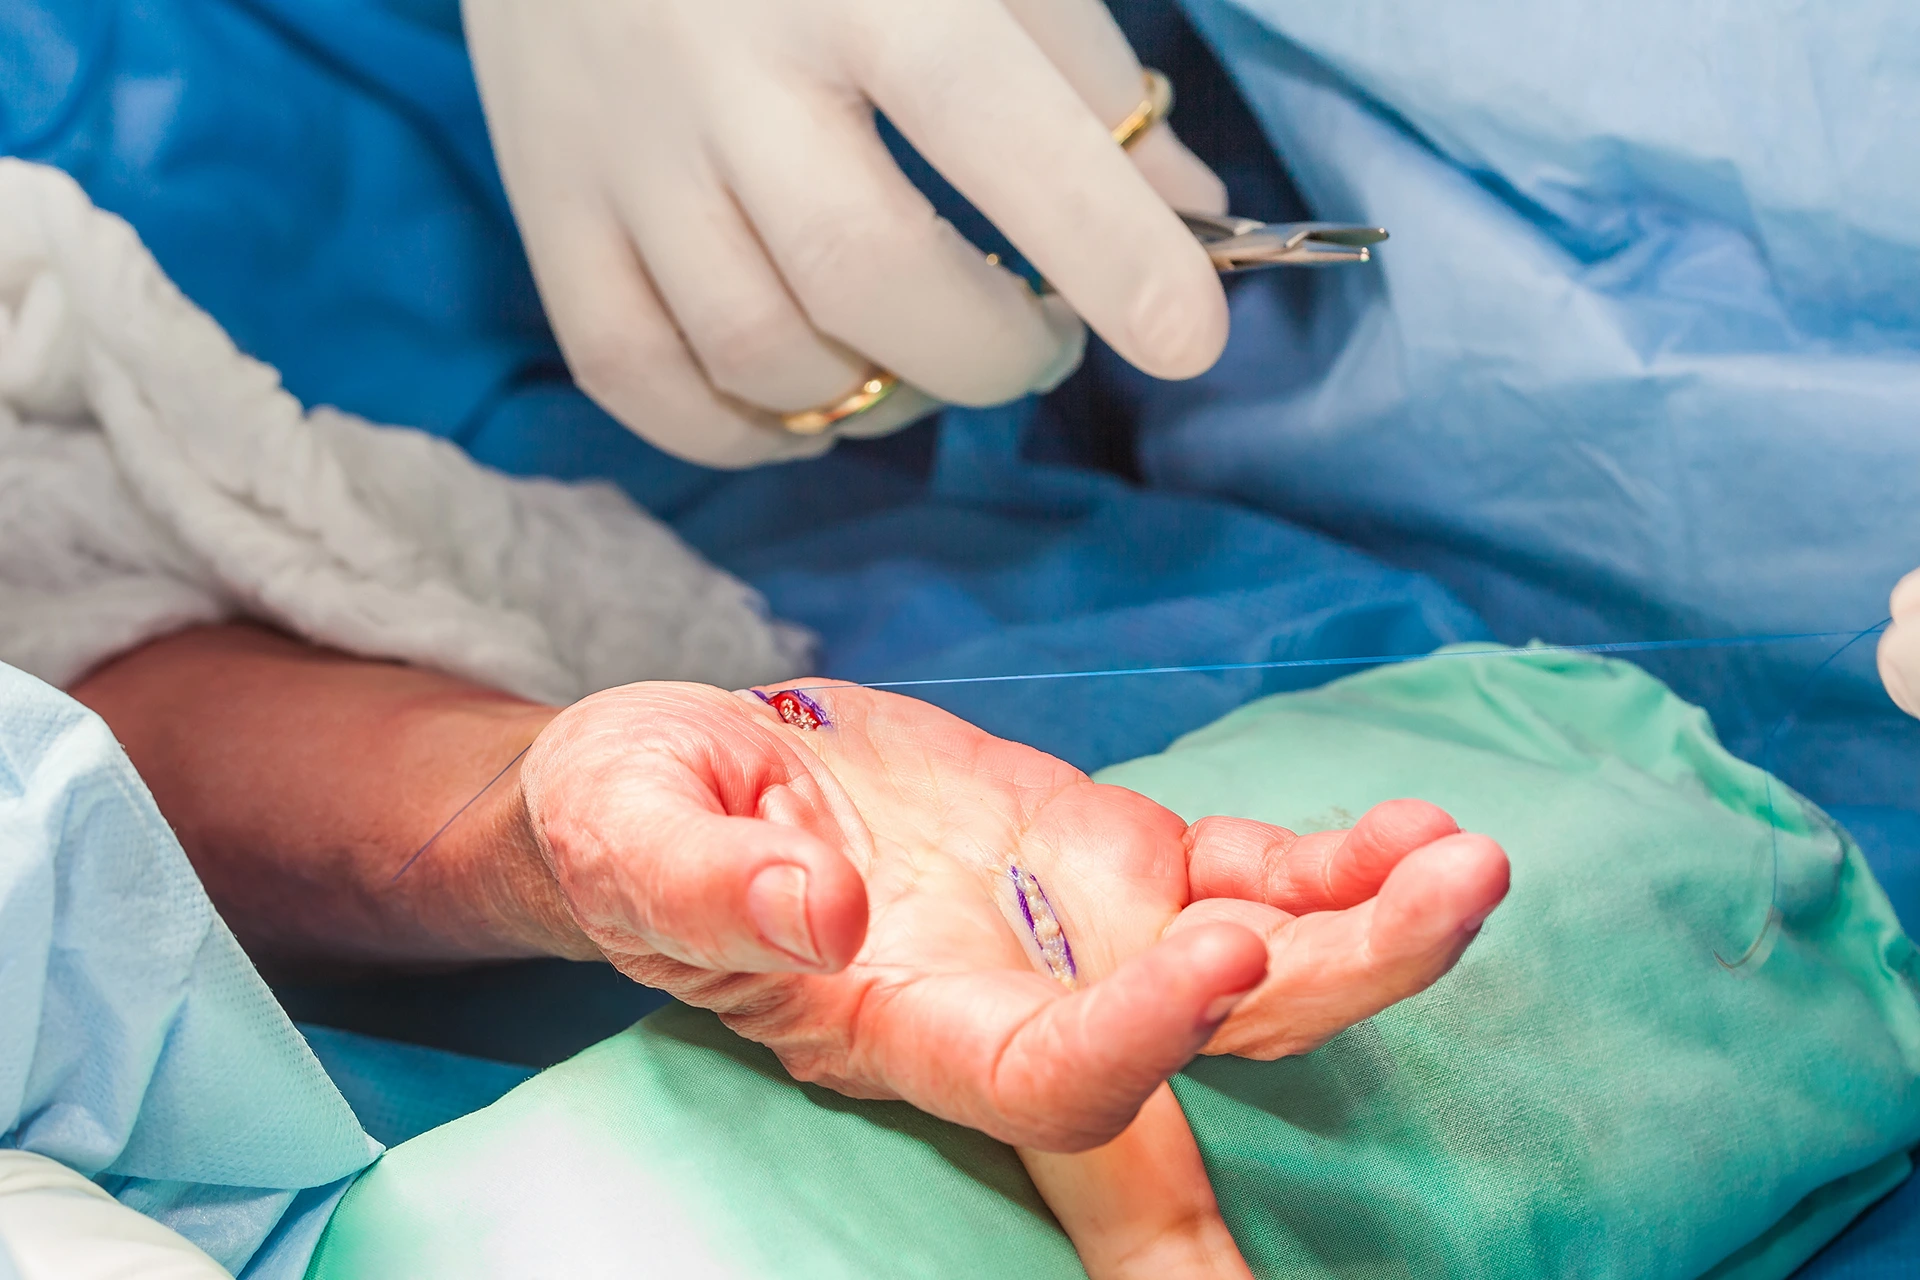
878, 385
1155, 106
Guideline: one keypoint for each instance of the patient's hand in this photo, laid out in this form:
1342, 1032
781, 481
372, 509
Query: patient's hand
872, 856
300, 780
892, 958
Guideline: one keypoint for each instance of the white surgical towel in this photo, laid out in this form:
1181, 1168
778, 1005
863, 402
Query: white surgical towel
152, 476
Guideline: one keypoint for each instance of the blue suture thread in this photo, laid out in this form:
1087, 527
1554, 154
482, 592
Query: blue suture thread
462, 809
1625, 646
1794, 708
1381, 660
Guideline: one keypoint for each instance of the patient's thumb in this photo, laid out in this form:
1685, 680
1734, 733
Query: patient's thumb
740, 895
1088, 1062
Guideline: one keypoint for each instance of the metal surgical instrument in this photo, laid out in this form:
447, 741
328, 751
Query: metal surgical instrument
1247, 244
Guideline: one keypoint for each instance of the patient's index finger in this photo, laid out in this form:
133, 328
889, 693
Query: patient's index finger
1321, 871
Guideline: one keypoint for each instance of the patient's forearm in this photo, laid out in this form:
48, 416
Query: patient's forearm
299, 780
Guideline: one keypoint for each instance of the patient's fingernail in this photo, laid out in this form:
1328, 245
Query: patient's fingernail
1216, 1012
777, 900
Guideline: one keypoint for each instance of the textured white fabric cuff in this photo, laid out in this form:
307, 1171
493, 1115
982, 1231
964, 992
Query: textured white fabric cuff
55, 1225
152, 476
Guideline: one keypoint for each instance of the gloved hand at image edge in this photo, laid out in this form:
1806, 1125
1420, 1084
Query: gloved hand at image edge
721, 238
1900, 646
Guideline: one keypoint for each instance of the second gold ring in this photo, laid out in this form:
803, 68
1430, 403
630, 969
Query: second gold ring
1155, 105
878, 385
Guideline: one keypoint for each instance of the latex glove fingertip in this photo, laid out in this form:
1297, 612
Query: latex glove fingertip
1905, 604
1900, 646
1900, 666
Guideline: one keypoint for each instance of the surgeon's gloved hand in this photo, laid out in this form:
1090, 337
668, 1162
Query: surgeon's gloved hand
1900, 646
721, 238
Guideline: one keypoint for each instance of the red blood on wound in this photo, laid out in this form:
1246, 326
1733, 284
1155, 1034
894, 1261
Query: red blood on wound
797, 709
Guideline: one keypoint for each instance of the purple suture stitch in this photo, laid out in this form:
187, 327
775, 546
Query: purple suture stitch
796, 708
1043, 923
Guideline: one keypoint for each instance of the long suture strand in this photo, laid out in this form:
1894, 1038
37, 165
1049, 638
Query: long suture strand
1378, 660
1760, 945
1850, 639
415, 856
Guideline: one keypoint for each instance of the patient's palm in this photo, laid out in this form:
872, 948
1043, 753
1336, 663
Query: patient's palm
944, 998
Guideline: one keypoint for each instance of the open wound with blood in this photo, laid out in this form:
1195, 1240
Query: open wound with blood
796, 708
1043, 925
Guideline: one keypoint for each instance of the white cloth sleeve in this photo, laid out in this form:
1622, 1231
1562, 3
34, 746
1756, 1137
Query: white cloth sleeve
152, 476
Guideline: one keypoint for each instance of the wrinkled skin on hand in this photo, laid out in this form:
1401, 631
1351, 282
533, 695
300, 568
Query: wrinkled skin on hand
840, 895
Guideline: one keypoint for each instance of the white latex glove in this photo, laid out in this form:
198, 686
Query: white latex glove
1900, 646
56, 1225
720, 237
